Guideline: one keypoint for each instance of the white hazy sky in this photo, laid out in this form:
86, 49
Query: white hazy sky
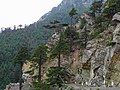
15, 12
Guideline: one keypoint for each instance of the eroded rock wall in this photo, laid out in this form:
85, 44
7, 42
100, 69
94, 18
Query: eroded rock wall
102, 58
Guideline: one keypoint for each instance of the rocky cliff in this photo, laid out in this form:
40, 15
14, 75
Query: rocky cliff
99, 62
103, 57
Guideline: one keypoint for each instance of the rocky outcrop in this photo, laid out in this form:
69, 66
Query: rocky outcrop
15, 86
100, 57
116, 35
116, 17
52, 41
87, 18
113, 72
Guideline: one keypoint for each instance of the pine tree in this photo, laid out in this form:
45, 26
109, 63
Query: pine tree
96, 8
72, 13
40, 56
20, 58
112, 8
84, 37
71, 35
84, 34
60, 48
56, 76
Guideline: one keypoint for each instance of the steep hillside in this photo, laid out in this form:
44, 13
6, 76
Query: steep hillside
30, 36
94, 59
61, 12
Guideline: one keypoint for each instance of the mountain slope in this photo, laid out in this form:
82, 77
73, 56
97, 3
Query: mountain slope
10, 42
32, 36
61, 12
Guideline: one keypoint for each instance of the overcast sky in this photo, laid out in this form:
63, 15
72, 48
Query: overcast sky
15, 12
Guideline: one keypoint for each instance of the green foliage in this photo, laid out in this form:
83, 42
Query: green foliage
68, 87
61, 13
22, 55
111, 8
95, 34
83, 22
110, 43
20, 58
41, 86
84, 37
61, 47
71, 35
31, 72
10, 43
105, 24
102, 16
40, 56
40, 51
31, 36
56, 76
96, 8
99, 19
73, 12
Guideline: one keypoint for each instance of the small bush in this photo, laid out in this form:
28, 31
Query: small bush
95, 34
83, 22
41, 86
110, 43
56, 76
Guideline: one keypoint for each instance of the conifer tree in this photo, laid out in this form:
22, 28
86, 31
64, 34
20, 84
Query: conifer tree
71, 35
60, 48
40, 56
20, 58
72, 13
96, 8
56, 76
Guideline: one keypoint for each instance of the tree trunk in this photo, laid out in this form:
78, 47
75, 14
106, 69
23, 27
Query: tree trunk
59, 59
71, 44
39, 64
20, 80
86, 37
71, 21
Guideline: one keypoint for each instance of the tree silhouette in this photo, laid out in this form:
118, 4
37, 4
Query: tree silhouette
71, 35
20, 26
60, 48
56, 76
20, 58
72, 13
96, 7
39, 56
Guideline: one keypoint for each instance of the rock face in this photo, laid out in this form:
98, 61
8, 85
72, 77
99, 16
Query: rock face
87, 18
15, 86
100, 61
113, 73
116, 17
52, 41
104, 60
116, 34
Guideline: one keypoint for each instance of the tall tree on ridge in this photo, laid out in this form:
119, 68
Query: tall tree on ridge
72, 13
60, 48
40, 56
20, 58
